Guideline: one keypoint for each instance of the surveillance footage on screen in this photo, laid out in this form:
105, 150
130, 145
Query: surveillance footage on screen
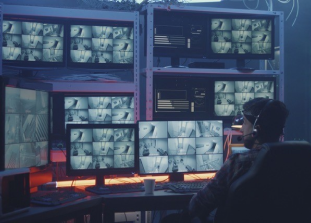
102, 148
180, 146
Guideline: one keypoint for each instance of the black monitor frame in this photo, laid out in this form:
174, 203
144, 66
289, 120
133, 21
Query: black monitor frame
251, 29
192, 28
252, 93
9, 83
100, 173
103, 23
146, 142
28, 66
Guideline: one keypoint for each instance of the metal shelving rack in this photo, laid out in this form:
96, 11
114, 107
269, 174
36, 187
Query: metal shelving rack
150, 70
126, 87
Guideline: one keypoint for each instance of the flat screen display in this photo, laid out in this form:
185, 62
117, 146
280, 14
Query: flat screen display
99, 110
98, 149
101, 45
26, 128
30, 42
180, 146
230, 96
242, 37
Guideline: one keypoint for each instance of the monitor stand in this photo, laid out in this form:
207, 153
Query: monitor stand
240, 65
99, 187
175, 177
175, 63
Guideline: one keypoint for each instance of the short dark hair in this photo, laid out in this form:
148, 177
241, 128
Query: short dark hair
273, 115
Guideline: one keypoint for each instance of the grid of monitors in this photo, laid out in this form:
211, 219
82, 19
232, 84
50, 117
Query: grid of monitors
97, 44
26, 128
231, 95
247, 37
32, 42
99, 110
100, 147
180, 146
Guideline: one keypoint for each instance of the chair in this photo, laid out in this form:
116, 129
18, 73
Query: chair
277, 188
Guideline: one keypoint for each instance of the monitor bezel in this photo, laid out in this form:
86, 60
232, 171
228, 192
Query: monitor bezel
182, 53
97, 22
239, 57
240, 78
100, 172
178, 176
4, 83
34, 65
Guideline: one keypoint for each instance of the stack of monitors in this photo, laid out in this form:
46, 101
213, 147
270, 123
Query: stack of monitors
231, 95
99, 110
29, 40
246, 36
92, 148
180, 146
26, 127
98, 44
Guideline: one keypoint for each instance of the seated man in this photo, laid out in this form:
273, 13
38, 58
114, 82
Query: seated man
264, 120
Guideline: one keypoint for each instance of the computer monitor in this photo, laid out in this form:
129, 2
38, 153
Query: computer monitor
33, 42
177, 97
101, 44
25, 129
180, 147
241, 37
179, 34
101, 149
230, 94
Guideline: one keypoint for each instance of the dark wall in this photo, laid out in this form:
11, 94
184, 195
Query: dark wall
297, 56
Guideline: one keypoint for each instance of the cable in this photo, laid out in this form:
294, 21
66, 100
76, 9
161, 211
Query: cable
249, 7
296, 13
291, 10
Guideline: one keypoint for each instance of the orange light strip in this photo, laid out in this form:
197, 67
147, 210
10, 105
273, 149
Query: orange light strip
123, 180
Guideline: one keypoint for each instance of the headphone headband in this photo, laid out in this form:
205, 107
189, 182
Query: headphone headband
255, 131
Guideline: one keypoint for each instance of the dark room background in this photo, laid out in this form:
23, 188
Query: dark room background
297, 61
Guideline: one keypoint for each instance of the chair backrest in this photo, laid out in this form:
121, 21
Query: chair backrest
277, 188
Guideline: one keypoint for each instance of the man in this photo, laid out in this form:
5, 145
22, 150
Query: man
264, 120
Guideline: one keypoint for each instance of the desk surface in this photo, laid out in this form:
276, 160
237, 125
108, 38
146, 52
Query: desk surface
138, 201
57, 213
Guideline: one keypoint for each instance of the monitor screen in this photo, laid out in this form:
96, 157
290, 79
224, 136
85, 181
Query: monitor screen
101, 45
32, 42
169, 147
176, 97
242, 37
98, 150
230, 94
180, 34
26, 128
99, 109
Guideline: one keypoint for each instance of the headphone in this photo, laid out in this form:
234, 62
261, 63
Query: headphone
255, 130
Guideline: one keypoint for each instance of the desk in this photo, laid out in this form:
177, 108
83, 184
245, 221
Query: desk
77, 209
138, 201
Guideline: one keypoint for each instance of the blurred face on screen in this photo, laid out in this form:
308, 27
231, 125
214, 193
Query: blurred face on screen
247, 129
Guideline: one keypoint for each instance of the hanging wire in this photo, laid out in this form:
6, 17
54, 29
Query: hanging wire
249, 7
297, 13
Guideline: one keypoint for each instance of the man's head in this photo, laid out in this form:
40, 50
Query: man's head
264, 120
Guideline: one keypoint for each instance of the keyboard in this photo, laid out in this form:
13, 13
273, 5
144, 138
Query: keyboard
116, 188
56, 197
187, 186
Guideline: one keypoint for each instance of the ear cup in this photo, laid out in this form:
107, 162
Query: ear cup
255, 133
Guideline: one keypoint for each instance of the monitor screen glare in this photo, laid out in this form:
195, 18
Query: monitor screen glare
180, 146
32, 41
101, 44
231, 95
99, 110
241, 36
102, 148
26, 128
